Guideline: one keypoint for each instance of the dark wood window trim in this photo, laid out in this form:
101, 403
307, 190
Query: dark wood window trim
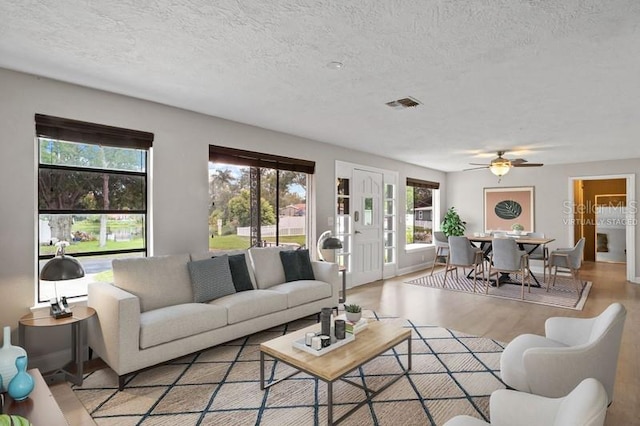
423, 183
80, 131
240, 157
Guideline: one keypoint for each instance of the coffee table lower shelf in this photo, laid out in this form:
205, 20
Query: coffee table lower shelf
371, 343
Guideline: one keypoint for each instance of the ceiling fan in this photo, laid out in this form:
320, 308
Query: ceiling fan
500, 166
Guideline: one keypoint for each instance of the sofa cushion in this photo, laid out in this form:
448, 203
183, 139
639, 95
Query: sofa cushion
157, 281
267, 266
176, 322
251, 304
240, 272
296, 265
303, 291
208, 254
211, 278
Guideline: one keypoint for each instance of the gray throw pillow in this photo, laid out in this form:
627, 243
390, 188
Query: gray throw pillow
297, 265
240, 272
290, 264
304, 263
211, 279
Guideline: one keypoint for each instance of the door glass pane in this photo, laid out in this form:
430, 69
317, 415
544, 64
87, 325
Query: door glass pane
343, 186
368, 212
343, 206
388, 208
389, 255
388, 223
388, 239
388, 193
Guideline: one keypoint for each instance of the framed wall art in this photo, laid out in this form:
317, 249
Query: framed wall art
504, 207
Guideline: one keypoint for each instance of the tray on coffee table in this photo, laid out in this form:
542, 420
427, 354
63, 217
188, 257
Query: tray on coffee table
335, 344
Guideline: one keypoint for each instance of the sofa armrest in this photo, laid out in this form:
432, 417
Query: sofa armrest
328, 272
114, 333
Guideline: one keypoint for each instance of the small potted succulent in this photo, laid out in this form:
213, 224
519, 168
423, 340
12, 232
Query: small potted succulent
354, 312
517, 228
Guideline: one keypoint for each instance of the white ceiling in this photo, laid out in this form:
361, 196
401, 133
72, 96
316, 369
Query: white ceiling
558, 81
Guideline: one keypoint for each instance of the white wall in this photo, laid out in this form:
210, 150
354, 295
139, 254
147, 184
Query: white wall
465, 192
179, 171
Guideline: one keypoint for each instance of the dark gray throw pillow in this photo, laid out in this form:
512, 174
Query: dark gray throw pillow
297, 265
211, 279
306, 271
240, 272
290, 264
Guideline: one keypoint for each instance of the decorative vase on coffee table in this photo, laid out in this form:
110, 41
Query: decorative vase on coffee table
8, 355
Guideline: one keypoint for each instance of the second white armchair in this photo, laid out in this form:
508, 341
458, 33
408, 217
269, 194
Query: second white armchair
586, 405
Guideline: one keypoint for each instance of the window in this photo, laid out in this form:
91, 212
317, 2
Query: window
92, 193
343, 225
419, 219
389, 224
257, 199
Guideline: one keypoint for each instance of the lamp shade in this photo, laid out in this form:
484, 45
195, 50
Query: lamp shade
500, 167
332, 243
62, 268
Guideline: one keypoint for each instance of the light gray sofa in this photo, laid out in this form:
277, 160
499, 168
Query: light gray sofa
147, 316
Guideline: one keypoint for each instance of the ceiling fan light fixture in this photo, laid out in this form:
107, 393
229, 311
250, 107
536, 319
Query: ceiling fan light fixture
500, 166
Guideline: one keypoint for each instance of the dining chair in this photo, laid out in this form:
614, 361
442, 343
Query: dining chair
585, 405
568, 258
538, 252
441, 243
507, 257
463, 255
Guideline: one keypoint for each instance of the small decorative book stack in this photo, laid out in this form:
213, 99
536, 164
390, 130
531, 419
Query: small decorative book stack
356, 327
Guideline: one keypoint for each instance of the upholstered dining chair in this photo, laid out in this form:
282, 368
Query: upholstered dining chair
538, 252
571, 350
463, 255
568, 258
586, 405
507, 257
441, 243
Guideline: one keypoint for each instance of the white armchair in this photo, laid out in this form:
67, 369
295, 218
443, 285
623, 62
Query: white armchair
586, 405
572, 350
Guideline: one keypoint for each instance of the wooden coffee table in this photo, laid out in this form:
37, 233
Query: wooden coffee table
376, 339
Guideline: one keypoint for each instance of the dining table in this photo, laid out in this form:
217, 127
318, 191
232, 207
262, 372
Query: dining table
484, 243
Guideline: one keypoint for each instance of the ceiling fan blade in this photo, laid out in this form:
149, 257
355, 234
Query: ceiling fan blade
518, 161
476, 168
527, 165
479, 164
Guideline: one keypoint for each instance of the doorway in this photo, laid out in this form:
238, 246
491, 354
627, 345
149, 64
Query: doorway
599, 218
602, 216
366, 222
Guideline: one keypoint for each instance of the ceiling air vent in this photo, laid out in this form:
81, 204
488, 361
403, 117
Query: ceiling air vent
404, 103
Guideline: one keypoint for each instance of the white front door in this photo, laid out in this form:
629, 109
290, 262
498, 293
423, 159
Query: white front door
367, 259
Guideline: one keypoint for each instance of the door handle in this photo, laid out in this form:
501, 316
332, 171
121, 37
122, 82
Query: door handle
358, 232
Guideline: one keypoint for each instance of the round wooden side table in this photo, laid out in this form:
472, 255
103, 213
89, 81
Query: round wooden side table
73, 371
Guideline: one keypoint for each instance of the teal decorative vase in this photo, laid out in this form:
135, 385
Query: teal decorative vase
8, 356
22, 383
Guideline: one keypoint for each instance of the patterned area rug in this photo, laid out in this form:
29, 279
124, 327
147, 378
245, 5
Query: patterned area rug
562, 295
452, 373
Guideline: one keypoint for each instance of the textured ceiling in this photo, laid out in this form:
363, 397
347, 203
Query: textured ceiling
557, 81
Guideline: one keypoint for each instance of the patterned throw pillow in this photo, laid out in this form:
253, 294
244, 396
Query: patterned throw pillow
211, 279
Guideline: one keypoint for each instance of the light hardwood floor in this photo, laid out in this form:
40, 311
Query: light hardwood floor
504, 319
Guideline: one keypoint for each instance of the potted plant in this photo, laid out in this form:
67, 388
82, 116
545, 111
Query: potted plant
517, 228
452, 224
354, 312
